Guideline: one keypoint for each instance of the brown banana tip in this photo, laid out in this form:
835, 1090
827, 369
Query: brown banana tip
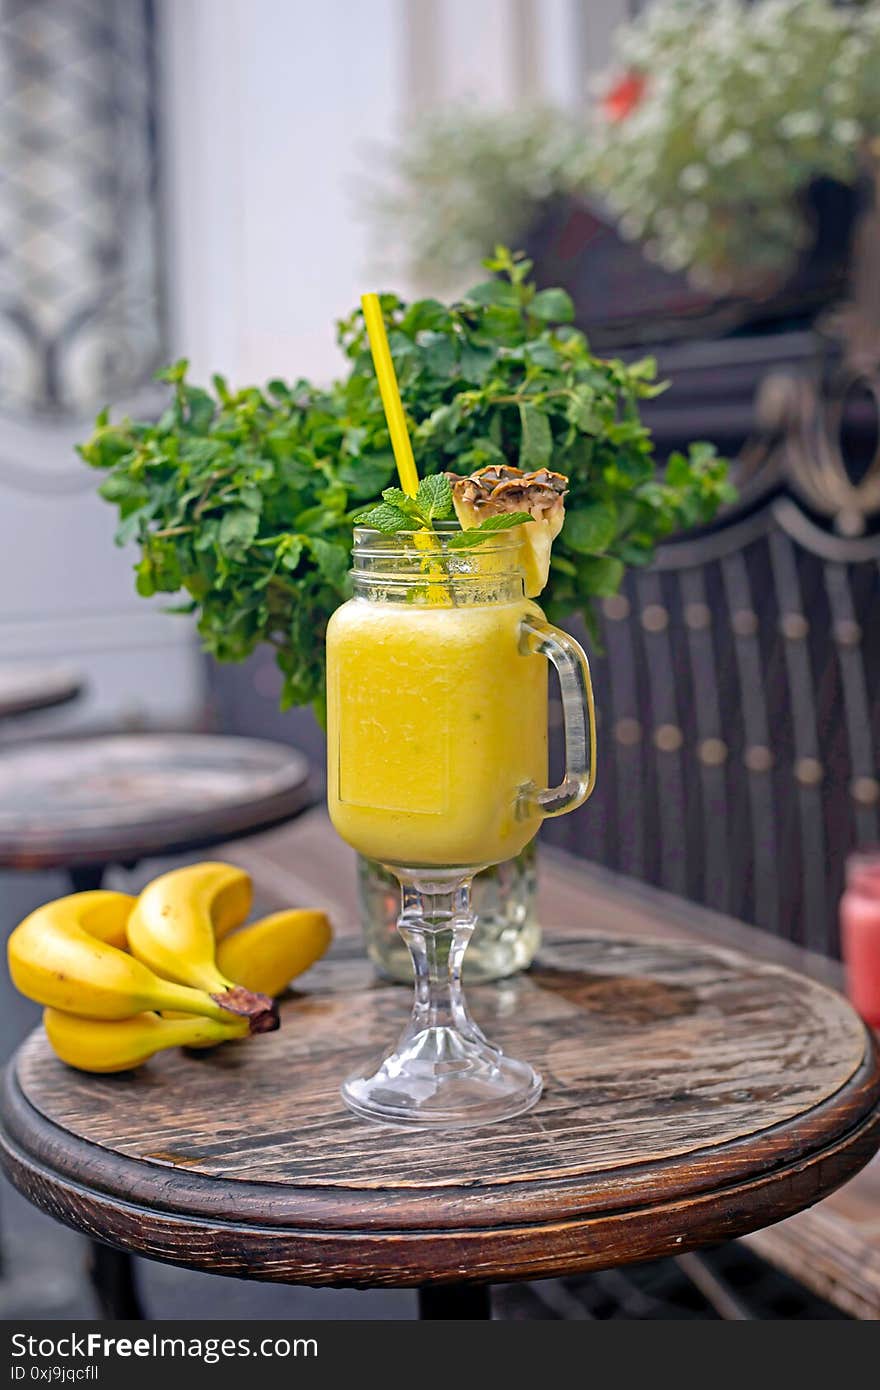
259, 1009
268, 1022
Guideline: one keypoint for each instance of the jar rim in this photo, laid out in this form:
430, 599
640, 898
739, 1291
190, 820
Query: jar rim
398, 560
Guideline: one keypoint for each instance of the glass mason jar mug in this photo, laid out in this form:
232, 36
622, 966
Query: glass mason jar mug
437, 767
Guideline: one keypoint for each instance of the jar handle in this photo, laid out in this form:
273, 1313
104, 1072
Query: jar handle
537, 636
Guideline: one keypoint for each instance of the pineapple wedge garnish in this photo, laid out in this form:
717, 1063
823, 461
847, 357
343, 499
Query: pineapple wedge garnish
501, 488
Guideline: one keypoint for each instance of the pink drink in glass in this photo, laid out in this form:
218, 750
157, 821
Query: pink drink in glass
860, 934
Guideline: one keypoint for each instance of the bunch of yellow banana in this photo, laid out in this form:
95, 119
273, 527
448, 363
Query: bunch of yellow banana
124, 977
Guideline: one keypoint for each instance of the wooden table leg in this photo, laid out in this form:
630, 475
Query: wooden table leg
455, 1301
111, 1273
86, 877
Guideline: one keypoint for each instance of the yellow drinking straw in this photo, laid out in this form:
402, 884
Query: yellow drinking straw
390, 393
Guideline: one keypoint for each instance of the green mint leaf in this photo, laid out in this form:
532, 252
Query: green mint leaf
475, 362
581, 410
121, 487
367, 475
434, 498
590, 530
466, 540
425, 314
106, 447
174, 372
552, 306
397, 498
145, 583
384, 518
536, 444
238, 527
291, 552
542, 354
502, 521
600, 575
200, 407
500, 294
502, 260
331, 560
643, 370
438, 353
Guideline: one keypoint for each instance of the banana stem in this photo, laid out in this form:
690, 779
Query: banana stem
259, 1009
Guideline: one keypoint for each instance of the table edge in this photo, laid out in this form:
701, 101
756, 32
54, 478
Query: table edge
195, 830
112, 1176
395, 1258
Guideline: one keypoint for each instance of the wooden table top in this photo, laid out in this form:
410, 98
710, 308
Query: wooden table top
120, 798
25, 689
693, 1093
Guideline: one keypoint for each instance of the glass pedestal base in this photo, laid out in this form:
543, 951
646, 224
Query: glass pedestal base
442, 1074
438, 1078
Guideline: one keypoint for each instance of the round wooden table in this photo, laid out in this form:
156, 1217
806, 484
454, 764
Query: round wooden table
81, 804
691, 1095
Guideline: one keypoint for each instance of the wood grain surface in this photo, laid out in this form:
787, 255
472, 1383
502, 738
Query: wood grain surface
119, 798
691, 1094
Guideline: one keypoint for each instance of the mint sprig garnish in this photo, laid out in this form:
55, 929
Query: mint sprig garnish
502, 521
399, 512
433, 502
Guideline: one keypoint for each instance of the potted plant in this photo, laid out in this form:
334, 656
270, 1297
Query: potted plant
243, 500
729, 141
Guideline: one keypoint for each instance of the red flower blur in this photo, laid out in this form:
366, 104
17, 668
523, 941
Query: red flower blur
624, 96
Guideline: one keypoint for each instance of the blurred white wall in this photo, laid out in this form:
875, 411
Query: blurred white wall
269, 112
67, 596
274, 109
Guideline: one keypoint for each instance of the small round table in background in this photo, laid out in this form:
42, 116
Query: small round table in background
81, 804
25, 689
691, 1095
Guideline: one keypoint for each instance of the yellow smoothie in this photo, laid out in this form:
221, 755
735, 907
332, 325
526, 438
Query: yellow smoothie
435, 724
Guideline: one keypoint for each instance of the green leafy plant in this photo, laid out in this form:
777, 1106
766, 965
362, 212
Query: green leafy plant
244, 501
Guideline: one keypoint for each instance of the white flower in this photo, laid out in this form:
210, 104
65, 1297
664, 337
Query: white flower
631, 226
847, 132
692, 178
800, 124
675, 255
732, 147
